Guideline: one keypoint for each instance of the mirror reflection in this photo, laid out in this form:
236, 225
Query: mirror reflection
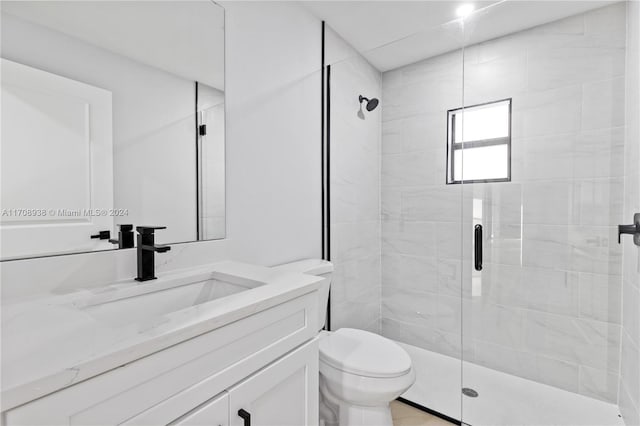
113, 113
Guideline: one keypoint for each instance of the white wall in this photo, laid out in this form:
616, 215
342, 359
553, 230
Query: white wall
273, 158
629, 393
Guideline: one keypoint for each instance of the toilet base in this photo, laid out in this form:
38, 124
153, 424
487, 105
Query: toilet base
334, 412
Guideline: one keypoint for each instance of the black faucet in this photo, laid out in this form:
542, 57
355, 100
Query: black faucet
125, 237
147, 250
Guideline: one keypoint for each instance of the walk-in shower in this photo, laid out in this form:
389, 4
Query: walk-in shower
520, 118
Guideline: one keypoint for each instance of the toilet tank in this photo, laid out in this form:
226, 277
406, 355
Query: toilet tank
317, 267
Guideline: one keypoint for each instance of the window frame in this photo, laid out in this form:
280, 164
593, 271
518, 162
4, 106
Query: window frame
451, 145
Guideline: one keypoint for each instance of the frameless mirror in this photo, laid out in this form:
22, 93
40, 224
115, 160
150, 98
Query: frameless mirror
113, 113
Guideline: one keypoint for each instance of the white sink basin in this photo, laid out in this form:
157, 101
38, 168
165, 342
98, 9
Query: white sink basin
159, 301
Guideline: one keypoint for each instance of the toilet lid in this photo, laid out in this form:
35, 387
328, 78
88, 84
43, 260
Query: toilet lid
363, 353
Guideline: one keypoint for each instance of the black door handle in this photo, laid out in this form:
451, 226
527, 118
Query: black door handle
246, 416
477, 238
631, 229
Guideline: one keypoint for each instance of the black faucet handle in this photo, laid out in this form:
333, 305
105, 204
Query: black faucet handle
125, 227
161, 248
102, 235
149, 229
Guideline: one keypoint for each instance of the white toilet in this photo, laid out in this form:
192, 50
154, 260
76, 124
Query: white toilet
360, 372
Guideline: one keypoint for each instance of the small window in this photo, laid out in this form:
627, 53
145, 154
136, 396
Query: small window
479, 143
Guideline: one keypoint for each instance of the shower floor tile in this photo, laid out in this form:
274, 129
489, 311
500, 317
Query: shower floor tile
406, 415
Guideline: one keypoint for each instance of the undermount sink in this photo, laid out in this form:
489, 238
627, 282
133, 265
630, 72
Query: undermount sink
158, 303
135, 302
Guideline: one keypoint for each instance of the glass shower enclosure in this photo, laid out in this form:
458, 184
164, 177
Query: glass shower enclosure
473, 215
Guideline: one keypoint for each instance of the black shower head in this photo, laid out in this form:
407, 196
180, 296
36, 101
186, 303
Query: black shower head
371, 103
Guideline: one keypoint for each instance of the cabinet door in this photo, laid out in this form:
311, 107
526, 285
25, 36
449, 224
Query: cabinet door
283, 394
212, 413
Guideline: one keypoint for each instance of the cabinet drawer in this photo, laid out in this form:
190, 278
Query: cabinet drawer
212, 413
191, 372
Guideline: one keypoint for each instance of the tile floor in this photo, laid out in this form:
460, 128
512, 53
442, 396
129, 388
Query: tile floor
406, 415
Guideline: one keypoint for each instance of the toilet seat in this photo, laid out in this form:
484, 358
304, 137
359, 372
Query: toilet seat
365, 354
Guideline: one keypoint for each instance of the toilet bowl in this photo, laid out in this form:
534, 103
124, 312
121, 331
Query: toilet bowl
360, 372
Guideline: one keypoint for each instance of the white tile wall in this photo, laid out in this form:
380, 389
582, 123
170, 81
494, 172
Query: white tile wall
355, 189
547, 305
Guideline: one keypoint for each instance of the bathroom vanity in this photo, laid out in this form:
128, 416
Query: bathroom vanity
226, 344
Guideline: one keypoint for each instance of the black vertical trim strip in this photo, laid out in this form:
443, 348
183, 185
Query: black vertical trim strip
328, 150
328, 119
197, 166
322, 182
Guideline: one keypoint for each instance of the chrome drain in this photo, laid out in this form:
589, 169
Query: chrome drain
469, 392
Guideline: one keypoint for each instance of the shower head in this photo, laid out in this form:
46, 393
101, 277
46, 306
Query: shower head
371, 103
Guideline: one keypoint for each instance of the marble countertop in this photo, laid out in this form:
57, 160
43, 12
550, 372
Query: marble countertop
51, 342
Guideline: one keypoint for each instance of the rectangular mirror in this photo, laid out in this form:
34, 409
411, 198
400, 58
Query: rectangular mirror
113, 113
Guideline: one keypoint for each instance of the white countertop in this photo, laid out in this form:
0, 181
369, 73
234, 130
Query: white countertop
50, 342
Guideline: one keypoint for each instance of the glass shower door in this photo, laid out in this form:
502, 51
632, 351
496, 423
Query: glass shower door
541, 306
418, 215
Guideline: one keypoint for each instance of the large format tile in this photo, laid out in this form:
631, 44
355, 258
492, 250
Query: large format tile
628, 409
630, 311
598, 153
601, 297
603, 104
410, 238
545, 290
630, 367
544, 157
498, 324
561, 374
585, 342
409, 169
351, 241
357, 281
423, 337
433, 203
495, 79
410, 306
547, 203
599, 384
404, 272
548, 112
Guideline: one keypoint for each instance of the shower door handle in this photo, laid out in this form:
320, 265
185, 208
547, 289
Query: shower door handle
633, 229
477, 241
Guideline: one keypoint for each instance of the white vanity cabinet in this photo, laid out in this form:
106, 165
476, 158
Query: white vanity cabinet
283, 394
265, 363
